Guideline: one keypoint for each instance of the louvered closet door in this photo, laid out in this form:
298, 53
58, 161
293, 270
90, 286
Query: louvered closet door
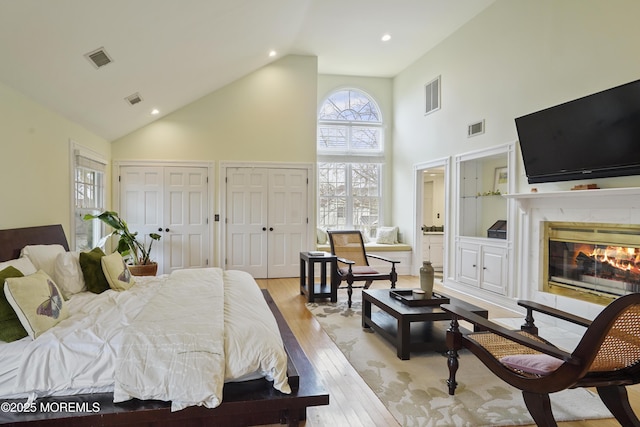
266, 220
170, 201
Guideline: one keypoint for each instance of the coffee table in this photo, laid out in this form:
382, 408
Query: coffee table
409, 328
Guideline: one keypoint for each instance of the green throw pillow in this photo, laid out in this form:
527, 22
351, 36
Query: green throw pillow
94, 278
10, 327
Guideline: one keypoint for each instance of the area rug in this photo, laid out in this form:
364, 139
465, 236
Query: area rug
415, 390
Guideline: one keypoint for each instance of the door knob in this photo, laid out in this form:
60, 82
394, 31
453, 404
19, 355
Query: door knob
270, 228
264, 228
166, 229
160, 229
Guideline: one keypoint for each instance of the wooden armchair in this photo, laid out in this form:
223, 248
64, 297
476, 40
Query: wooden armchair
348, 247
606, 357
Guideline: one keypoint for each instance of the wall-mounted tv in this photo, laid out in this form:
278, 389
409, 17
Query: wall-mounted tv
596, 136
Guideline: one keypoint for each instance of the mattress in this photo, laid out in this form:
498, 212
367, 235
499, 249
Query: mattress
79, 355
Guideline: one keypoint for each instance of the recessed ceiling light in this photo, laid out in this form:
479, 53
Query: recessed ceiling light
155, 111
386, 37
272, 53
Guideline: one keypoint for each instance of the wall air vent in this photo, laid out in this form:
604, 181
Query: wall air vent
134, 99
475, 128
432, 96
98, 58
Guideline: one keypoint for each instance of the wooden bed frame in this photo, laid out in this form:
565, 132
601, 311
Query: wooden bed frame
244, 404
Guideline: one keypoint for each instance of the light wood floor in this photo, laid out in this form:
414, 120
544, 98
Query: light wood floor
352, 403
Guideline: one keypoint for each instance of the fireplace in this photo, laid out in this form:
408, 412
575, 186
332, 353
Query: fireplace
591, 261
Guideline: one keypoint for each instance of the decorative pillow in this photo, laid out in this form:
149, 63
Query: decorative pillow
92, 272
116, 272
68, 274
25, 265
322, 237
538, 364
37, 301
43, 256
387, 235
10, 327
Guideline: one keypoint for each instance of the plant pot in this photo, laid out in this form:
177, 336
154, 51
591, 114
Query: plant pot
144, 269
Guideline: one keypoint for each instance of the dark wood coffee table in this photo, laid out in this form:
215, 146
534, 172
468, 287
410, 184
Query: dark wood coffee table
409, 328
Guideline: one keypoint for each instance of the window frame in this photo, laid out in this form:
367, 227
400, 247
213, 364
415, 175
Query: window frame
350, 156
99, 186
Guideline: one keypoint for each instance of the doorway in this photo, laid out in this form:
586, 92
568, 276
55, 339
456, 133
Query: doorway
431, 216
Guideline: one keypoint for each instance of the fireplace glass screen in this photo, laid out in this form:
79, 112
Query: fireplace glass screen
602, 269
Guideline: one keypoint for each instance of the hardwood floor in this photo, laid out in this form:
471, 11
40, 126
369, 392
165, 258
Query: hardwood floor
352, 403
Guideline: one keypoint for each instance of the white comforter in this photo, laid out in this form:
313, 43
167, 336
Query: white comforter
140, 338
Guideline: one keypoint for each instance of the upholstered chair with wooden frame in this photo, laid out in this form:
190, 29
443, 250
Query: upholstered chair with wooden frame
607, 356
353, 261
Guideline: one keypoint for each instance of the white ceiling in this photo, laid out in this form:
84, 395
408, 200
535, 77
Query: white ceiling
175, 51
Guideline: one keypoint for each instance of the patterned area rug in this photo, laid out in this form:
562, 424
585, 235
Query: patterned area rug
415, 390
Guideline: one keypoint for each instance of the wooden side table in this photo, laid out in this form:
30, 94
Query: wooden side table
308, 285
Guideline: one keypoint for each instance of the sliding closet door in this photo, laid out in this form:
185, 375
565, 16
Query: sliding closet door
266, 220
171, 201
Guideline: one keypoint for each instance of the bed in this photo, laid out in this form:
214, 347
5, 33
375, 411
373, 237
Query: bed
254, 401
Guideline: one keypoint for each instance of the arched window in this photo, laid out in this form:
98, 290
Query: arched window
350, 151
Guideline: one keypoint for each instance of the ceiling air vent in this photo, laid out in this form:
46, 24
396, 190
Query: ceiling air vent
99, 58
134, 99
475, 128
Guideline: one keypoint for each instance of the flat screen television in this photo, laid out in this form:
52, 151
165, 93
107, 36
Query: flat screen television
596, 136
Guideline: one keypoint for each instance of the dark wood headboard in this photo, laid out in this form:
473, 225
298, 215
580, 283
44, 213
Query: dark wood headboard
13, 240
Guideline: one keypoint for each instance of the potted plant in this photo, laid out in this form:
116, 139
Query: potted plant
128, 244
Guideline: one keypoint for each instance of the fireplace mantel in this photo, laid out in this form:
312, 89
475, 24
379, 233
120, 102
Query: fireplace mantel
524, 200
607, 205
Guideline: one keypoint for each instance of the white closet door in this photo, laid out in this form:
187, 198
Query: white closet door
141, 204
266, 220
246, 221
185, 233
287, 220
173, 202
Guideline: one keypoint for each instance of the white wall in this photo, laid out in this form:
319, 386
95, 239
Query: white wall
514, 58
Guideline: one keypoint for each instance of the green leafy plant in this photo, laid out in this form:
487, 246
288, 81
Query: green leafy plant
128, 245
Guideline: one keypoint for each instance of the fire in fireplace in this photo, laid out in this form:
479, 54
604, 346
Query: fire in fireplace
596, 258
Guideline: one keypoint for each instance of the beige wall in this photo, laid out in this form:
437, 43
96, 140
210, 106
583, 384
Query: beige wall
514, 58
35, 169
268, 115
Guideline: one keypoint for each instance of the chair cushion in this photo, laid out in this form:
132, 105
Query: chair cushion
358, 269
538, 364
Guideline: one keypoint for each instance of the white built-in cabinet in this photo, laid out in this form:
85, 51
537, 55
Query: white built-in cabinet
482, 261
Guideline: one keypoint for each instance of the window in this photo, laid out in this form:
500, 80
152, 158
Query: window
88, 197
350, 157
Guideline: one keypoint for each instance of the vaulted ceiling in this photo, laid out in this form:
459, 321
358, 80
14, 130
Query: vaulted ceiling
172, 52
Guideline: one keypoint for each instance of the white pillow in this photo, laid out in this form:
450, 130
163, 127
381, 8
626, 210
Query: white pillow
37, 302
387, 235
68, 274
43, 256
116, 272
321, 236
25, 265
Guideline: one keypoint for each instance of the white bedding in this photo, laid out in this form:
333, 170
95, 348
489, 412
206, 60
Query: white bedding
79, 354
